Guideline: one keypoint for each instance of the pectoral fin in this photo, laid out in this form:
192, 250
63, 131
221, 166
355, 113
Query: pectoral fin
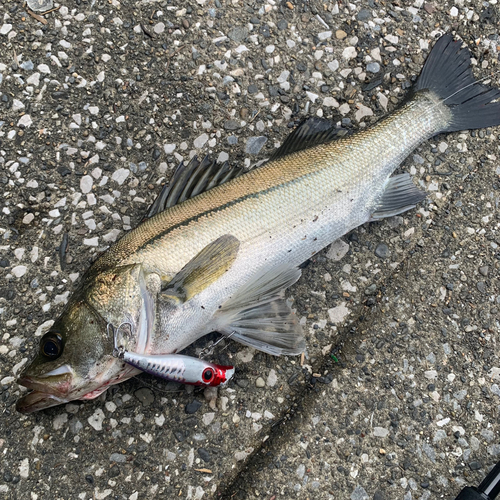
259, 316
204, 269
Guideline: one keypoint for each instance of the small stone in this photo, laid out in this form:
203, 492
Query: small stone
484, 270
371, 290
4, 30
86, 184
117, 458
169, 148
337, 314
282, 24
193, 407
272, 378
382, 251
40, 5
373, 67
359, 493
475, 465
204, 454
364, 15
120, 175
324, 35
481, 286
232, 125
349, 53
159, 28
200, 141
96, 419
238, 34
340, 34
255, 144
19, 271
145, 396
260, 382
380, 432
25, 121
337, 250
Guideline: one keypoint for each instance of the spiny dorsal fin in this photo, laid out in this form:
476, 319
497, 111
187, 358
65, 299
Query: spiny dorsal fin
203, 269
311, 132
191, 180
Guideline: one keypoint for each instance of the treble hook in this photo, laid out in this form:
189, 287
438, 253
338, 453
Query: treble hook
208, 351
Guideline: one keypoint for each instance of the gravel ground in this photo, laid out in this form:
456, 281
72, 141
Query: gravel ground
99, 101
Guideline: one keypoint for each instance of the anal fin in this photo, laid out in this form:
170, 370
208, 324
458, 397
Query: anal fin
259, 316
399, 196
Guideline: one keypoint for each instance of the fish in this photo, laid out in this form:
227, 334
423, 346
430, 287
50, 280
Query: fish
219, 246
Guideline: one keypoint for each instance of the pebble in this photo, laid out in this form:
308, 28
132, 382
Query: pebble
380, 432
373, 67
324, 35
204, 454
337, 314
145, 396
40, 5
4, 30
159, 28
238, 34
337, 250
200, 141
382, 251
86, 184
232, 125
359, 493
96, 420
340, 34
120, 175
193, 407
349, 53
118, 458
255, 144
481, 286
19, 271
272, 378
364, 15
260, 382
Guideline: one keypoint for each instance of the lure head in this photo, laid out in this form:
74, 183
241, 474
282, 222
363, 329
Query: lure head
217, 375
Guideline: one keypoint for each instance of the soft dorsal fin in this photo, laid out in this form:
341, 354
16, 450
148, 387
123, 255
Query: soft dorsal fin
190, 180
203, 269
310, 132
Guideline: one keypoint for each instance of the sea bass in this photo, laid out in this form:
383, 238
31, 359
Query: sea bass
219, 247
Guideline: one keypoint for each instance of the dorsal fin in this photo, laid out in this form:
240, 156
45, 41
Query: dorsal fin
190, 180
309, 133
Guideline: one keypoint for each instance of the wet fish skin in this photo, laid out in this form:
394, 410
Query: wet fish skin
220, 261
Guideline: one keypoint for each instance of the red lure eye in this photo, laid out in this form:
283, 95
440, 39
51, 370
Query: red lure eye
208, 374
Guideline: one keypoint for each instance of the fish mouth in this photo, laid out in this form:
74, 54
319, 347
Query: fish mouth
37, 400
47, 390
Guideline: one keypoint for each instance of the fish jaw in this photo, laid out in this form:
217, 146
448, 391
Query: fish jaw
62, 385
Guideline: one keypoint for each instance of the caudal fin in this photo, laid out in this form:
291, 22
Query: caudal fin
447, 73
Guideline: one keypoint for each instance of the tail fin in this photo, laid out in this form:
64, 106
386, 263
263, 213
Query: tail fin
448, 74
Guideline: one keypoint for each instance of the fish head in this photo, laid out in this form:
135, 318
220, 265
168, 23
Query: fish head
74, 361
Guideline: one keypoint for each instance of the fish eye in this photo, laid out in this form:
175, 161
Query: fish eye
207, 374
51, 345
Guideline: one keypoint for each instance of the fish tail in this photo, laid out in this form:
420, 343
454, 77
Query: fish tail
448, 74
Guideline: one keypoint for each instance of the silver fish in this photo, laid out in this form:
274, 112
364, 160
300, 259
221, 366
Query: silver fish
219, 248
